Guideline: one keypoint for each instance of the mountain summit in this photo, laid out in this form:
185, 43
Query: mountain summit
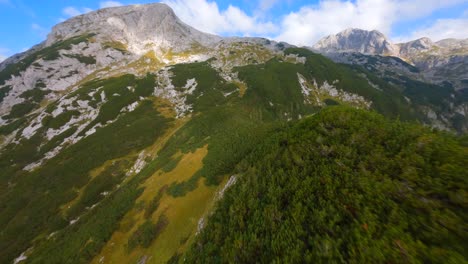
140, 27
357, 40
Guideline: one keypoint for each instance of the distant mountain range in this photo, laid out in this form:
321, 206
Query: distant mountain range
438, 62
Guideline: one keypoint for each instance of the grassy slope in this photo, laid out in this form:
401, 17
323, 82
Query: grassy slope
182, 213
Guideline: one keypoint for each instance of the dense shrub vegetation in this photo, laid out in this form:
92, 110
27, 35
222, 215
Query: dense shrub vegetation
154, 203
21, 109
146, 233
344, 186
60, 120
35, 94
4, 92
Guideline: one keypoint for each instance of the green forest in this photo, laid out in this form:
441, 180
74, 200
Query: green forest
344, 186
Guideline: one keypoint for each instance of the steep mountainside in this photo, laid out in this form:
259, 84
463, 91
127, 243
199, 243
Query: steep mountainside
121, 132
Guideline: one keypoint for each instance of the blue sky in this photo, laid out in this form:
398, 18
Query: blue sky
27, 22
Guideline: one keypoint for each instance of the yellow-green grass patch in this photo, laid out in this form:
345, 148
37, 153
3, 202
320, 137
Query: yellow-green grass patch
183, 214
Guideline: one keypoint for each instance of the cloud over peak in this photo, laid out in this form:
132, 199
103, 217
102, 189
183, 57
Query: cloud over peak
309, 23
207, 16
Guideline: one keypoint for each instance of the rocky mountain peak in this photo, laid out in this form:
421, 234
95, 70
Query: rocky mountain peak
453, 43
357, 40
373, 42
415, 46
139, 27
438, 62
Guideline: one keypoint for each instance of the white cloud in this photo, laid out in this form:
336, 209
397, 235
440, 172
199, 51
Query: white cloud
206, 16
310, 23
411, 9
106, 4
442, 29
72, 11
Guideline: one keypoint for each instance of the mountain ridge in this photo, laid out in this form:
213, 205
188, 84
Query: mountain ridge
438, 62
110, 26
361, 41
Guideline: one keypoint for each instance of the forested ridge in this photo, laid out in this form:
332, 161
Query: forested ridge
344, 186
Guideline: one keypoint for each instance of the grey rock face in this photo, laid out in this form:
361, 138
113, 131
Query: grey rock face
445, 60
357, 40
375, 43
140, 27
416, 46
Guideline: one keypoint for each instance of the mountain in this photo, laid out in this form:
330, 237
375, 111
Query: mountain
375, 43
357, 40
412, 48
439, 62
433, 69
106, 37
124, 132
140, 28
